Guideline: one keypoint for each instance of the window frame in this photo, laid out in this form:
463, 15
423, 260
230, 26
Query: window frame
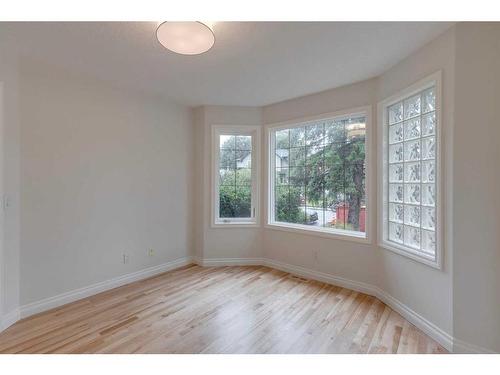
331, 233
249, 130
435, 80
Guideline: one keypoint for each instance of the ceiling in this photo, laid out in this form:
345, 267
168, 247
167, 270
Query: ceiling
251, 63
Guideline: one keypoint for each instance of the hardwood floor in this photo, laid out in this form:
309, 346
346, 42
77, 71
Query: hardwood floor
195, 309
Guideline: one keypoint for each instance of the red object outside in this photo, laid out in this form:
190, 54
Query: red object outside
343, 213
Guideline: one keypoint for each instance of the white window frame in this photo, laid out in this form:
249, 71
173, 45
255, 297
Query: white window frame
334, 233
427, 82
249, 130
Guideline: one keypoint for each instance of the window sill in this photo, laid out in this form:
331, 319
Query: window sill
332, 234
408, 253
235, 224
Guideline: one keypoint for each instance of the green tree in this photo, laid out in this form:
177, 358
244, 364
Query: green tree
234, 201
288, 202
338, 171
333, 165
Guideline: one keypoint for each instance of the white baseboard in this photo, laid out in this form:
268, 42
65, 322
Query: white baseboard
211, 262
320, 276
74, 295
462, 347
9, 319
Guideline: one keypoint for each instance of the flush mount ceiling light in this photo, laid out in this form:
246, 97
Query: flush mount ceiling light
186, 38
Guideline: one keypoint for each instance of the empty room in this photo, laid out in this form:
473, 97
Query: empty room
249, 187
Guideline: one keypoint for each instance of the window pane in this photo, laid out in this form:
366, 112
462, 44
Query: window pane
282, 176
297, 156
335, 131
355, 195
395, 133
412, 216
428, 100
227, 142
355, 130
428, 148
314, 155
428, 194
413, 172
314, 205
396, 153
429, 124
412, 128
396, 212
428, 218
244, 142
282, 139
428, 171
282, 158
412, 106
396, 173
428, 242
289, 204
396, 232
412, 237
395, 113
243, 177
412, 150
243, 202
235, 202
226, 201
412, 194
297, 176
315, 134
396, 193
297, 209
227, 177
227, 159
297, 137
243, 158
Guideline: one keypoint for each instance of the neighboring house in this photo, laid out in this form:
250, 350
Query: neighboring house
282, 162
245, 161
282, 158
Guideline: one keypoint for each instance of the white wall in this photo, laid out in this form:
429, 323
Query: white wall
215, 243
476, 288
424, 289
103, 172
9, 148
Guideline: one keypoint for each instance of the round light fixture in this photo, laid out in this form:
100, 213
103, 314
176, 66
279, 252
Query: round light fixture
186, 38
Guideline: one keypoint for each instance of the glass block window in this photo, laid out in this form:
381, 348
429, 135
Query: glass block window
318, 172
235, 175
410, 165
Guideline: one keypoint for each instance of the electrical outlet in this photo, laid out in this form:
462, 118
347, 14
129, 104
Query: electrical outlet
151, 252
125, 258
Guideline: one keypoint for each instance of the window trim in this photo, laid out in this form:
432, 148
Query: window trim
255, 132
435, 80
339, 234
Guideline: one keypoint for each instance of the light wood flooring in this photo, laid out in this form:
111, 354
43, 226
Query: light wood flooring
195, 309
